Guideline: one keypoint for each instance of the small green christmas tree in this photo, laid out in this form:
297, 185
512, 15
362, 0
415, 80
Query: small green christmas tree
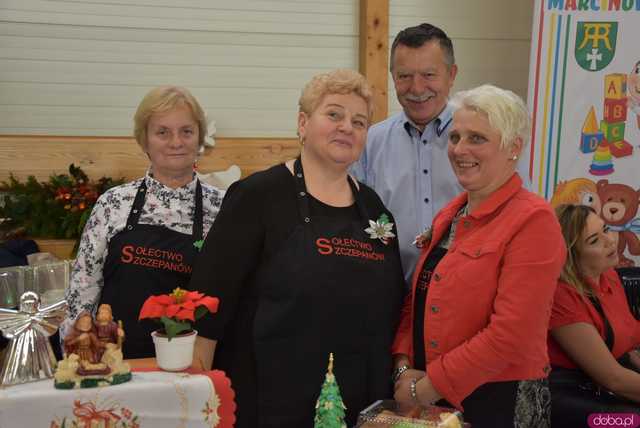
329, 407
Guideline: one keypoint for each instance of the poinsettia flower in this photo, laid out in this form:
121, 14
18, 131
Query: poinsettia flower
181, 305
175, 310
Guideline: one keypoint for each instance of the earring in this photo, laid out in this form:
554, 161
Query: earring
515, 157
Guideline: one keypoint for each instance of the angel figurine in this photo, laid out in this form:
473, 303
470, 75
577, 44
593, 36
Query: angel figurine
29, 356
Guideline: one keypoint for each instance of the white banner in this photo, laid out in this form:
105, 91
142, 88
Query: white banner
584, 95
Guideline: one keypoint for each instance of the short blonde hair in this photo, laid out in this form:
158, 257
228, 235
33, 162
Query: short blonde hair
505, 110
341, 81
573, 220
164, 99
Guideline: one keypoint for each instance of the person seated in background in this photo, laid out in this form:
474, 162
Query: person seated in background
142, 237
473, 331
305, 262
593, 337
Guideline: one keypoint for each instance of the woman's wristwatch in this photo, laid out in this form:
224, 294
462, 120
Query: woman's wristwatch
398, 372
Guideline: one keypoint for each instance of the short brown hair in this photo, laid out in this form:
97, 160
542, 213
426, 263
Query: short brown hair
164, 99
573, 220
341, 81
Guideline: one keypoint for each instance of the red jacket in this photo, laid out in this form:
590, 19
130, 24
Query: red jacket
570, 307
490, 297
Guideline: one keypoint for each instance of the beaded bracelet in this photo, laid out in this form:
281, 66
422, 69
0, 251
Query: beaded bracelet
413, 390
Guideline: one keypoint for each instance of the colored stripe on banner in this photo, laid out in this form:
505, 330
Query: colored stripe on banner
560, 115
535, 92
553, 107
547, 90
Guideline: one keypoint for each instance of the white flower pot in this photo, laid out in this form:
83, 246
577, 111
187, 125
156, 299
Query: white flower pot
175, 354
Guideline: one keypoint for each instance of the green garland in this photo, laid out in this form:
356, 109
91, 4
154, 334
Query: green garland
58, 208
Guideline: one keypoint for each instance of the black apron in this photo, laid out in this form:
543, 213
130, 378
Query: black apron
144, 260
330, 288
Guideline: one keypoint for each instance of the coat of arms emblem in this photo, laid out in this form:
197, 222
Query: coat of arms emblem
595, 44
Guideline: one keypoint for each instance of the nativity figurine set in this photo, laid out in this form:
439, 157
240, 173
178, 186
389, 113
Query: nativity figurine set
92, 350
93, 353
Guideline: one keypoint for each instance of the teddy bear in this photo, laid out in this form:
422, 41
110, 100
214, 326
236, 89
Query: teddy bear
619, 209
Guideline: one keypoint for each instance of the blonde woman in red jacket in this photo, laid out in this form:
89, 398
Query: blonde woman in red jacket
473, 330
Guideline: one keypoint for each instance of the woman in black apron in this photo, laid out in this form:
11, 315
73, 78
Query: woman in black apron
139, 240
301, 272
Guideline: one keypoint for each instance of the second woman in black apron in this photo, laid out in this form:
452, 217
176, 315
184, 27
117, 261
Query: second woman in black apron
302, 272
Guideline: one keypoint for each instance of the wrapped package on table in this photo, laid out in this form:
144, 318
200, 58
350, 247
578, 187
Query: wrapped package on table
383, 414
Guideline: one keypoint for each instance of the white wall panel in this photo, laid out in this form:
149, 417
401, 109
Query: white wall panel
81, 67
486, 19
57, 120
491, 38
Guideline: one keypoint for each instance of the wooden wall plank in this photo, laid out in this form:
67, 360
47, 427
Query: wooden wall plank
122, 157
373, 52
61, 248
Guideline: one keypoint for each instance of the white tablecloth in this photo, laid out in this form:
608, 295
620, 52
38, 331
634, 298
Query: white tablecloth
150, 399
